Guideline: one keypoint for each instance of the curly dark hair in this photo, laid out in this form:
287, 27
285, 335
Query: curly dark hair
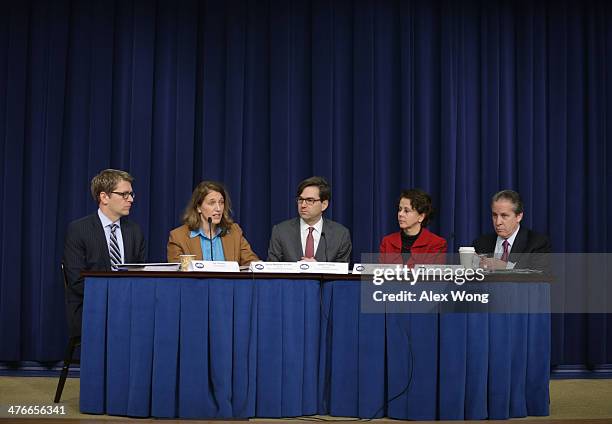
420, 202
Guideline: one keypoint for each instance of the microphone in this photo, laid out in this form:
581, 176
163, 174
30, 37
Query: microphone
211, 237
324, 238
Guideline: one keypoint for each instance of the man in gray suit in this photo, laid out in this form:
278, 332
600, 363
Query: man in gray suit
101, 241
310, 237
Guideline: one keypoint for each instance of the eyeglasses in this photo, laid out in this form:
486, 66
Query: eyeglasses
309, 201
125, 194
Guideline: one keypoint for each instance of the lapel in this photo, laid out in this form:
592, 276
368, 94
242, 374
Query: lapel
396, 241
297, 239
421, 241
127, 241
491, 242
520, 243
228, 247
320, 253
100, 239
194, 246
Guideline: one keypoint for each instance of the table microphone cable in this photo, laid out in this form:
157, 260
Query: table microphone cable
386, 403
406, 388
313, 418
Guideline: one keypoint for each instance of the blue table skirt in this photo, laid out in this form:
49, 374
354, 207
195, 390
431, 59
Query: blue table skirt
447, 366
221, 348
195, 348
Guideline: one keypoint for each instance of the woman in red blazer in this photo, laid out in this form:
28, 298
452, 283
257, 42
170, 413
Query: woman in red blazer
413, 244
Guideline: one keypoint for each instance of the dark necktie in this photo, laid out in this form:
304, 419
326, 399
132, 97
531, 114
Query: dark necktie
309, 250
505, 255
113, 248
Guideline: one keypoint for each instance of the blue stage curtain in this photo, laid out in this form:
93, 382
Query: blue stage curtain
459, 98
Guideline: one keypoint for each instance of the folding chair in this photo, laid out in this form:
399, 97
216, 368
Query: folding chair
73, 343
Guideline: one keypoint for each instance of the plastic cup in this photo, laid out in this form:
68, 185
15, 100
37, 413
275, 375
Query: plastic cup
186, 262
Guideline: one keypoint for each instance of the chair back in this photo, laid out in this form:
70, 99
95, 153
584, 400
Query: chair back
64, 276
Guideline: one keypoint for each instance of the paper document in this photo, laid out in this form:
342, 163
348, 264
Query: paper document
153, 266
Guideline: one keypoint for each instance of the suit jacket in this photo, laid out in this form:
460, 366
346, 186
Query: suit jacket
235, 246
529, 250
86, 249
428, 248
286, 243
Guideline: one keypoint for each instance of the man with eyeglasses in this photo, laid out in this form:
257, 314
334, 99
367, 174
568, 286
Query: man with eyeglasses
101, 241
310, 237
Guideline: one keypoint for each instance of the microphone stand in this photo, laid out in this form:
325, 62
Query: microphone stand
211, 237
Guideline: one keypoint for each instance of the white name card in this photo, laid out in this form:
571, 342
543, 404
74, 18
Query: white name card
368, 269
323, 267
276, 267
358, 268
214, 266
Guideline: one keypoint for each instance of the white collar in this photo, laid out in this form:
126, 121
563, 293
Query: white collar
105, 220
318, 227
510, 239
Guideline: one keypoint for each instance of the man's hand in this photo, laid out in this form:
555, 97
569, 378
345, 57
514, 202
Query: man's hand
304, 258
492, 263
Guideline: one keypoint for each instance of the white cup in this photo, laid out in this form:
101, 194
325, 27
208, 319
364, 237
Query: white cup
466, 256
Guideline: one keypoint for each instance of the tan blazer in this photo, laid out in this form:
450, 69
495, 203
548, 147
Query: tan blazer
235, 246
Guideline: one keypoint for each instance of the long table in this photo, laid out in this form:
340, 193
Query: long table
201, 345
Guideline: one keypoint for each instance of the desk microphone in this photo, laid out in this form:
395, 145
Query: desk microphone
211, 236
324, 238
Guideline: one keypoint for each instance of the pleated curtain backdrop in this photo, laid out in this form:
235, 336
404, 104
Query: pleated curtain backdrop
459, 98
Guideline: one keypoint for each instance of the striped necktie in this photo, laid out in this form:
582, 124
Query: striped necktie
113, 248
506, 253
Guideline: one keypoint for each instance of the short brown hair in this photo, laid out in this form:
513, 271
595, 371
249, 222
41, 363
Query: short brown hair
191, 217
420, 202
106, 181
320, 182
511, 196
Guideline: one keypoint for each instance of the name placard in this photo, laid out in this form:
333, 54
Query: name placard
275, 267
214, 266
358, 268
368, 269
323, 267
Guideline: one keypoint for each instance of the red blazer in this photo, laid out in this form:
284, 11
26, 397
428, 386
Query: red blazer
428, 248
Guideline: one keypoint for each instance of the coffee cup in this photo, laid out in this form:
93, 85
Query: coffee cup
186, 262
466, 256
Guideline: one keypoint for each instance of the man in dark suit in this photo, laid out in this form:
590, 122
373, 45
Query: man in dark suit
310, 237
512, 245
101, 241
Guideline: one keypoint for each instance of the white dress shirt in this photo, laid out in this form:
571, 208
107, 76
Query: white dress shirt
316, 233
499, 248
106, 224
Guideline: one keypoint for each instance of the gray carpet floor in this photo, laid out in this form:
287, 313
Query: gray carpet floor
570, 399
